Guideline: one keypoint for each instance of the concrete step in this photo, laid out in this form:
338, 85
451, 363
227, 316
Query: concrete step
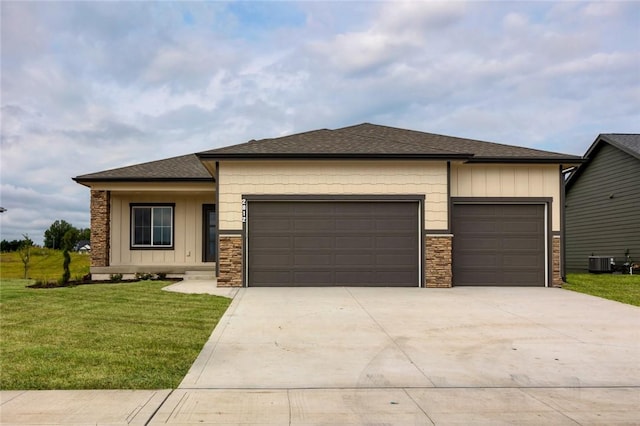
200, 275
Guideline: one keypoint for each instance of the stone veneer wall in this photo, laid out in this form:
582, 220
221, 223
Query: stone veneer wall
555, 253
100, 227
438, 261
230, 257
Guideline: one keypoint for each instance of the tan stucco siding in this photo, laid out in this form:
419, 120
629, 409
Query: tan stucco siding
237, 178
495, 180
187, 233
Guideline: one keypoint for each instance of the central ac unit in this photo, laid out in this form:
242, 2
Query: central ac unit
601, 264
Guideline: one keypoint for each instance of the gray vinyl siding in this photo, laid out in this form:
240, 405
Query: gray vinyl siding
597, 224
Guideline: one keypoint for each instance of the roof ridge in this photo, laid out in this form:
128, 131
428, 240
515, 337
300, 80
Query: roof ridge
407, 143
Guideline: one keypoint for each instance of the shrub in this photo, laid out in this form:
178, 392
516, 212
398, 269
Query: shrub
114, 278
144, 276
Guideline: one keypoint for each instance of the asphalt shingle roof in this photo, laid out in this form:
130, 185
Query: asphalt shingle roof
360, 141
628, 142
183, 168
366, 140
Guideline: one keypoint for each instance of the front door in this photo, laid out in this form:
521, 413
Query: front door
210, 227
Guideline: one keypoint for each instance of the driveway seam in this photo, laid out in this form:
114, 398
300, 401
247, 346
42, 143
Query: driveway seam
550, 406
159, 407
389, 336
418, 405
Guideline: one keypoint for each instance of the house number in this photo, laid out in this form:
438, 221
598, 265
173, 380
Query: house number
244, 210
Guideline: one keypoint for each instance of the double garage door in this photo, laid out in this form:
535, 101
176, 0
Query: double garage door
328, 243
373, 243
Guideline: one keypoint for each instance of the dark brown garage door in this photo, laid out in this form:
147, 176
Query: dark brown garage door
333, 244
498, 245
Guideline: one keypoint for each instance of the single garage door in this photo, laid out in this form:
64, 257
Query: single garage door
333, 243
498, 245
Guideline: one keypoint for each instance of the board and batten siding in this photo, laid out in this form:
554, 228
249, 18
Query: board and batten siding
505, 180
187, 233
237, 178
603, 209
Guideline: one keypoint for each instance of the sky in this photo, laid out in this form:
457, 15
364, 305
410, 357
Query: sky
89, 86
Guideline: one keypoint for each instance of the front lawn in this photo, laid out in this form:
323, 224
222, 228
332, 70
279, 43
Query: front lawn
622, 288
101, 336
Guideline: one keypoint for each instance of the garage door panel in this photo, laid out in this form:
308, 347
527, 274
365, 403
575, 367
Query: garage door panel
312, 277
396, 224
355, 242
272, 242
522, 260
314, 259
333, 243
523, 243
400, 259
313, 242
313, 225
353, 259
497, 244
354, 224
274, 258
271, 278
273, 224
520, 227
477, 260
520, 278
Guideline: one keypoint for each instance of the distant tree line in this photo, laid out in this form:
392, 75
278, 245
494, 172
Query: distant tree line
60, 235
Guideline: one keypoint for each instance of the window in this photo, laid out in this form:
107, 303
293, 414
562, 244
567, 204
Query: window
152, 226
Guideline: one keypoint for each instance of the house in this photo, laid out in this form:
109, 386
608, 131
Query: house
364, 205
603, 203
83, 246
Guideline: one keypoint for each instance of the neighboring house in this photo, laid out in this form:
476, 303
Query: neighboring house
83, 246
365, 205
603, 203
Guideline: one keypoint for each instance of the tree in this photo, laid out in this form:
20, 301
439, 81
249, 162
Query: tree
53, 236
25, 253
84, 234
9, 246
67, 244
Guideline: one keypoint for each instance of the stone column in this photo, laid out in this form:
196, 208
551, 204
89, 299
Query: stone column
555, 255
438, 261
230, 257
100, 227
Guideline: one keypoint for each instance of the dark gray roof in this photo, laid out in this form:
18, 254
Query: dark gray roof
374, 141
183, 168
359, 141
627, 142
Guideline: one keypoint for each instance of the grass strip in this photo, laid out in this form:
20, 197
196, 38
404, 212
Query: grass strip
101, 336
619, 287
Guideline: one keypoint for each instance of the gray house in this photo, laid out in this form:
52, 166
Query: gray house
602, 209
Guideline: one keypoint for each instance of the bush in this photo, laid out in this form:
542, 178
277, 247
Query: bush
114, 278
144, 276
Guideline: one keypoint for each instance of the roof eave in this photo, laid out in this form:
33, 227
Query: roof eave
326, 156
528, 160
82, 180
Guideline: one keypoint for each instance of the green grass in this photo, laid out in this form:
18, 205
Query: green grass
101, 336
45, 265
622, 288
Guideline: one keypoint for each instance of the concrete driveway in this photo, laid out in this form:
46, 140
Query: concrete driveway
415, 356
362, 356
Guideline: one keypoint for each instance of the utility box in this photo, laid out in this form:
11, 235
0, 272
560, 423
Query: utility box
601, 264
